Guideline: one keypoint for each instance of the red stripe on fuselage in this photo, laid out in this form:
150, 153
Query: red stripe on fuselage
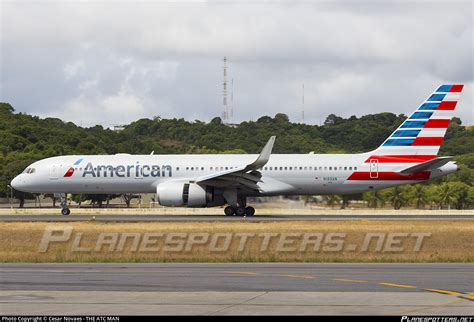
446, 106
401, 158
390, 176
437, 124
427, 141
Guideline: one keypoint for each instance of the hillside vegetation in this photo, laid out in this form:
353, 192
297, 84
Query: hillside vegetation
25, 138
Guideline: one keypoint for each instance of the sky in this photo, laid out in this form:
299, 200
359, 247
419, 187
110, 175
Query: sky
113, 62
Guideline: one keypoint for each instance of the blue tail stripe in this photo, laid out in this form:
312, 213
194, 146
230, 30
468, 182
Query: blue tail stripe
436, 97
399, 142
413, 124
444, 88
421, 115
428, 106
406, 133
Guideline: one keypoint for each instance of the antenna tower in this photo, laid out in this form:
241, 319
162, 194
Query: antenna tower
225, 107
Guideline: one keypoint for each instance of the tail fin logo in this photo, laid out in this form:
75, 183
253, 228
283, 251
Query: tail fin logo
422, 134
70, 171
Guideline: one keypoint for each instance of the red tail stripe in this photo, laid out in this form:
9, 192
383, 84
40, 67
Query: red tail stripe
436, 124
401, 158
427, 141
456, 88
446, 106
394, 176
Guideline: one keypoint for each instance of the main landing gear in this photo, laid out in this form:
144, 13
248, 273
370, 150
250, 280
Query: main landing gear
239, 211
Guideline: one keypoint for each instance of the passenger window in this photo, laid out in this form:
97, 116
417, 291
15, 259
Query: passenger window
330, 168
355, 168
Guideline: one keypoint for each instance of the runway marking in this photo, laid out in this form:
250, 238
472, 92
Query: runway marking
300, 276
469, 297
397, 285
241, 273
429, 307
349, 280
442, 291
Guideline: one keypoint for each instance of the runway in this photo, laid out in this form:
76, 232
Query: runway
237, 289
222, 218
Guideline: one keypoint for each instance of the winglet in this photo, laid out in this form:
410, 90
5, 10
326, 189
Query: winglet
264, 155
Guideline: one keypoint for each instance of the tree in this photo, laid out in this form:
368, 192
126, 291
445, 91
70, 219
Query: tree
419, 196
374, 198
462, 198
398, 196
331, 200
445, 195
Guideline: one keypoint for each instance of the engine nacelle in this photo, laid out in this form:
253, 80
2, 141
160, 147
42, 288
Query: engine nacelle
187, 194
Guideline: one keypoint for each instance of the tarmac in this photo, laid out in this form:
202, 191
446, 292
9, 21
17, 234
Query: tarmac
237, 289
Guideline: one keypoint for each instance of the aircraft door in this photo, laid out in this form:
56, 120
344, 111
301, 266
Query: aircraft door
374, 168
53, 174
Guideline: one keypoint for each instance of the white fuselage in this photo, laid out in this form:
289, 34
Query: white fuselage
284, 174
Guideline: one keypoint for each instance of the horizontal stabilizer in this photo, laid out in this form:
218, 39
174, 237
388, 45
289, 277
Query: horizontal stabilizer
428, 165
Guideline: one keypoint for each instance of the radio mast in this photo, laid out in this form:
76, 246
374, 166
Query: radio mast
225, 107
302, 106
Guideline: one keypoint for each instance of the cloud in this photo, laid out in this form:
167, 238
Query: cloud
113, 62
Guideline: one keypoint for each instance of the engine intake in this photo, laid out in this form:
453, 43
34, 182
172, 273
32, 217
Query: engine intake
186, 194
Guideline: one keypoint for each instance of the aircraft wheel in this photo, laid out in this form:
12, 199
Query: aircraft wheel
229, 211
249, 211
240, 211
65, 211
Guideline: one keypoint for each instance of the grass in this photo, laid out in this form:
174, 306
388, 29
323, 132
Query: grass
450, 241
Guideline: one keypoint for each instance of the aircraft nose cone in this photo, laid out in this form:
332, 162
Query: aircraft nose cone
18, 183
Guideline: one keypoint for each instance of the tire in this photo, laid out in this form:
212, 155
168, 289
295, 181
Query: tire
249, 211
240, 211
65, 211
229, 211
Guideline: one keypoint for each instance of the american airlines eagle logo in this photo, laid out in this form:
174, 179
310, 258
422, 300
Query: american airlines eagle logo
70, 171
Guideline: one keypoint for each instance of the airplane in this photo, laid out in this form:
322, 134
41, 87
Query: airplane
408, 155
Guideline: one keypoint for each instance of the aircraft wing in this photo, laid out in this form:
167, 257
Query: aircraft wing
246, 176
428, 165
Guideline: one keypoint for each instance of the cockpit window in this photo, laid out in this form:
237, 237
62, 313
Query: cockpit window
29, 170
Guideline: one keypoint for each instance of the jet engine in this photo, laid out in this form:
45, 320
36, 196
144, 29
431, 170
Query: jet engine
188, 194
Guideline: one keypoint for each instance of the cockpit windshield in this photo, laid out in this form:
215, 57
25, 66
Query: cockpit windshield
29, 170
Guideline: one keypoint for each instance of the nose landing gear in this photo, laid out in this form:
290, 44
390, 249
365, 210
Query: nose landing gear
64, 207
